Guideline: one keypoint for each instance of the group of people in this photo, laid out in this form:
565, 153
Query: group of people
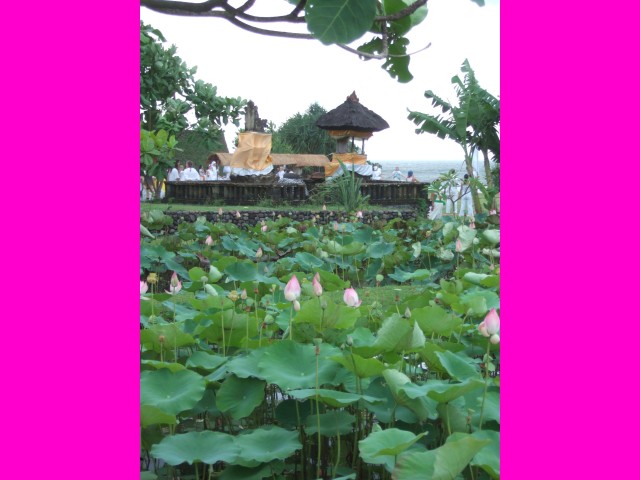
179, 173
453, 194
398, 176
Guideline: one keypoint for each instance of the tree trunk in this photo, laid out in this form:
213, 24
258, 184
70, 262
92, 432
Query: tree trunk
468, 160
487, 169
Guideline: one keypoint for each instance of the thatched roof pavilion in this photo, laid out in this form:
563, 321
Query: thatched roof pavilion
352, 116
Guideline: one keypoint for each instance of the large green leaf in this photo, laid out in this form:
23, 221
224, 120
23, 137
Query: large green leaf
206, 447
266, 444
240, 396
291, 365
331, 423
435, 320
150, 415
362, 367
443, 463
307, 261
242, 271
489, 457
333, 398
380, 249
173, 337
458, 367
394, 333
206, 361
339, 21
334, 316
398, 382
383, 446
171, 392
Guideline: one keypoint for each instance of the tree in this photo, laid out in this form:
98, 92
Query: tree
332, 22
472, 123
299, 134
173, 101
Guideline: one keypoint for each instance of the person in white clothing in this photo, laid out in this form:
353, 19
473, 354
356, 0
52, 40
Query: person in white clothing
397, 175
376, 172
212, 172
466, 200
174, 174
190, 174
280, 173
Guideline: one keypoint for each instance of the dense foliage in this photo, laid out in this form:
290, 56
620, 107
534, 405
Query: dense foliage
299, 350
299, 134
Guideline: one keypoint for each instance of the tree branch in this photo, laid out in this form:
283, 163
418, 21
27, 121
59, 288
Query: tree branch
402, 13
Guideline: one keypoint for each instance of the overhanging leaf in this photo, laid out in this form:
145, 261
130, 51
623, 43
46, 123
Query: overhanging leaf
339, 21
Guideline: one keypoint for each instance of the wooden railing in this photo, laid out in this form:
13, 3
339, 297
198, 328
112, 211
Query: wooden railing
233, 193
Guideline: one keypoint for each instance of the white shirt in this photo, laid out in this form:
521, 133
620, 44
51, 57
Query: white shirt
212, 174
280, 175
173, 175
190, 174
376, 174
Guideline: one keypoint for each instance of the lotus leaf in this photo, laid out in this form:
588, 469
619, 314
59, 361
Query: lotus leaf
333, 398
435, 320
206, 447
383, 446
362, 367
240, 396
398, 382
267, 444
242, 271
380, 249
331, 423
491, 236
150, 415
487, 458
458, 367
206, 361
171, 392
394, 333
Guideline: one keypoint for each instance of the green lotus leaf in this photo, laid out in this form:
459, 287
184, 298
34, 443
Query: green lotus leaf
238, 472
458, 367
466, 236
148, 476
333, 247
292, 365
334, 316
362, 367
491, 406
383, 446
479, 302
446, 392
482, 279
243, 271
364, 234
331, 423
435, 320
388, 408
150, 415
196, 274
353, 248
331, 282
394, 333
492, 237
267, 444
398, 382
173, 337
333, 398
206, 447
449, 231
171, 392
443, 463
308, 261
289, 411
240, 396
206, 361
156, 364
380, 249
244, 366
487, 458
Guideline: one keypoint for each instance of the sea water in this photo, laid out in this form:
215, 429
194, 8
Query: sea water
429, 170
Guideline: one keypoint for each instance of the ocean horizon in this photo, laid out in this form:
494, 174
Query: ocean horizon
428, 170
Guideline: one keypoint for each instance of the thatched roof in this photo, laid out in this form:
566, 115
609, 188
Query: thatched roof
299, 160
352, 115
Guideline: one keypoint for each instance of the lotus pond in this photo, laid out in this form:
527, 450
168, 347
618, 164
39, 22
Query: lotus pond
302, 351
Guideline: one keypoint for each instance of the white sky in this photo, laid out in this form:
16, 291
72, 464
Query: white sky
284, 76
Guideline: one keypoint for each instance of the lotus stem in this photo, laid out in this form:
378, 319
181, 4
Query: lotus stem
486, 383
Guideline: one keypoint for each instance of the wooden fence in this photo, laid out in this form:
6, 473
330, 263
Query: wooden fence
233, 193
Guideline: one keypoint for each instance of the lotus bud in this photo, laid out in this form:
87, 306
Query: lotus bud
317, 288
407, 313
243, 294
492, 212
152, 278
495, 339
351, 298
379, 278
210, 290
323, 304
268, 319
458, 246
209, 241
214, 274
161, 339
143, 287
264, 228
492, 322
349, 340
359, 214
342, 346
233, 295
259, 252
296, 305
220, 211
482, 328
255, 290
324, 208
174, 285
292, 290
472, 225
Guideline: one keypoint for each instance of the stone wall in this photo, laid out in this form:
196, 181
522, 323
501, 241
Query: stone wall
250, 218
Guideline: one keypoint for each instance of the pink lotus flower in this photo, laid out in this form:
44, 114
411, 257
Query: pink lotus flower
482, 328
492, 212
335, 226
351, 298
492, 322
292, 290
472, 225
209, 240
296, 305
458, 246
174, 285
143, 287
264, 228
359, 214
243, 294
317, 288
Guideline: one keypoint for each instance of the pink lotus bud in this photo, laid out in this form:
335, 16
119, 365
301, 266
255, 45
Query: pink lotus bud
324, 208
359, 214
264, 228
351, 298
482, 328
209, 240
243, 294
492, 212
237, 214
174, 285
458, 246
292, 290
492, 321
143, 287
317, 288
495, 339
296, 305
472, 225
335, 226
259, 252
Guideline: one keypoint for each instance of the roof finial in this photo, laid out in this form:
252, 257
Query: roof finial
353, 98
